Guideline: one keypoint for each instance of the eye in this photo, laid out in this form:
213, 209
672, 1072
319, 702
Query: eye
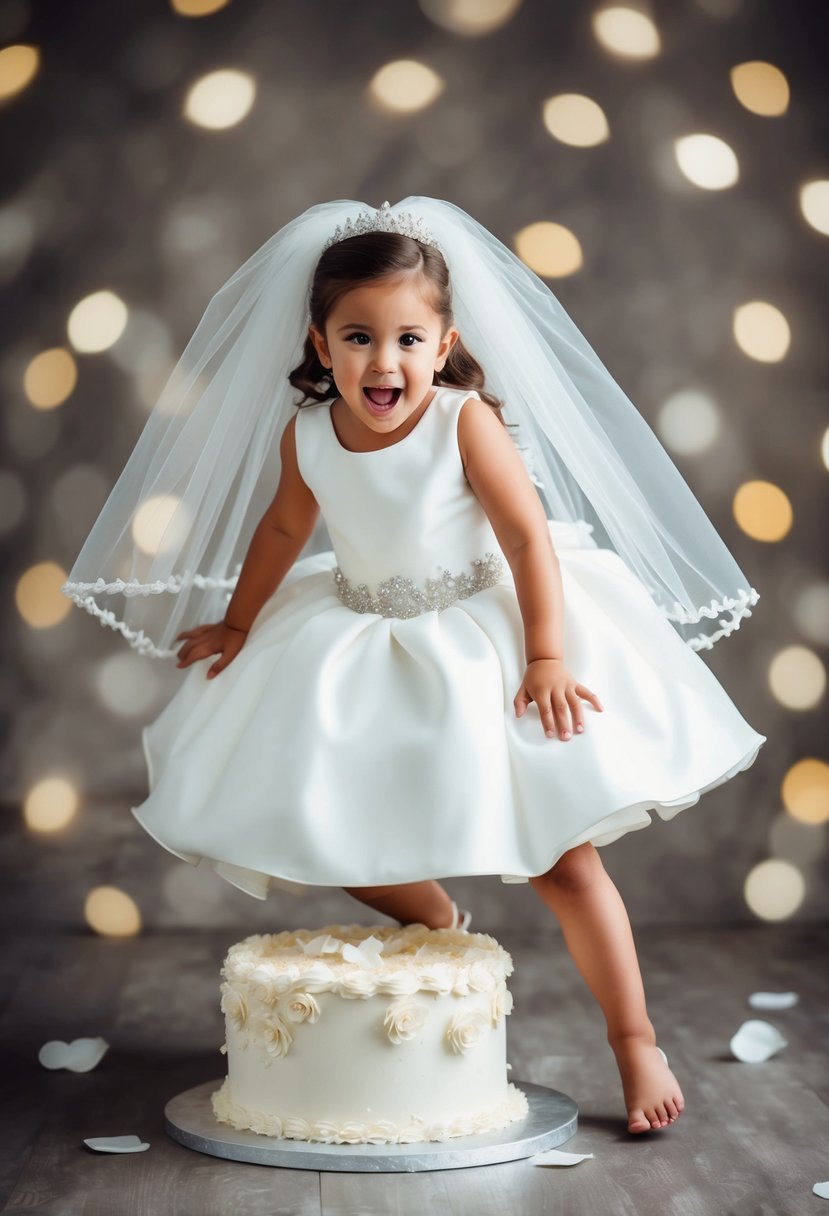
413, 336
357, 335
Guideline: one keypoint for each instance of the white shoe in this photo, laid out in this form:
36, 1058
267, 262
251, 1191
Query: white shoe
461, 919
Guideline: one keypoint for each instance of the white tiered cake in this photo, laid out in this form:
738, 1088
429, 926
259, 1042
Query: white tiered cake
353, 1035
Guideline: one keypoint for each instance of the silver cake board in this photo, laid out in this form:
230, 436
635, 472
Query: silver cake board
551, 1120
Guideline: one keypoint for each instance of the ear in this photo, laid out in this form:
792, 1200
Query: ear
447, 342
320, 346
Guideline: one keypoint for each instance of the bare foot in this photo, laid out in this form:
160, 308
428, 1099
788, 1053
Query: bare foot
652, 1094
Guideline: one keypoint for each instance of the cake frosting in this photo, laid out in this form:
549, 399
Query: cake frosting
352, 1035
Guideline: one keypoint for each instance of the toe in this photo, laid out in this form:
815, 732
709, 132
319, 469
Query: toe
638, 1122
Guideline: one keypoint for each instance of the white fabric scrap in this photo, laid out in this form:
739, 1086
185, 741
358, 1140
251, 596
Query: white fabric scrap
773, 1000
117, 1144
557, 1156
756, 1041
81, 1055
821, 1189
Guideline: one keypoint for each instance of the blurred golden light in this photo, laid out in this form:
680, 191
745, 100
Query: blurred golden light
50, 805
220, 99
706, 161
160, 523
470, 17
814, 203
97, 322
805, 791
38, 597
18, 67
774, 889
761, 331
797, 677
549, 249
112, 913
761, 87
763, 510
197, 8
689, 422
575, 119
405, 85
50, 378
626, 31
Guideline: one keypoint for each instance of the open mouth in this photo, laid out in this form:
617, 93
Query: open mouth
381, 400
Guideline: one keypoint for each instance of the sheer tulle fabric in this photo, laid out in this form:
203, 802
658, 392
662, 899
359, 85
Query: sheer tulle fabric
167, 547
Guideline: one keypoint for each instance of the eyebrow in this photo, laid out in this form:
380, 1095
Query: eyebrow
360, 325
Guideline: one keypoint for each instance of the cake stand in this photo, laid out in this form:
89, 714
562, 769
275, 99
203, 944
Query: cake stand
551, 1120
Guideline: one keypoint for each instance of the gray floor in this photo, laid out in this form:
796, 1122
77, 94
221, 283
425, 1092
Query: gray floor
753, 1140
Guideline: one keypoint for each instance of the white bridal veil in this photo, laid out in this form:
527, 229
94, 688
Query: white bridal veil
166, 549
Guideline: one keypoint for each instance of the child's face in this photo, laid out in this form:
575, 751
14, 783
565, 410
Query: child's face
384, 335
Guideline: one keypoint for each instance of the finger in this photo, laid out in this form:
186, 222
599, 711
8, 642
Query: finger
576, 714
589, 696
562, 713
547, 718
521, 701
187, 633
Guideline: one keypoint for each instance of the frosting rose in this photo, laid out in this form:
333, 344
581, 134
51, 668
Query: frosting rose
234, 1005
299, 1007
465, 1030
403, 1020
481, 978
274, 1035
501, 1002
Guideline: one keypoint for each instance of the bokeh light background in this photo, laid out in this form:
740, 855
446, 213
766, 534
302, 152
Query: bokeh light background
664, 167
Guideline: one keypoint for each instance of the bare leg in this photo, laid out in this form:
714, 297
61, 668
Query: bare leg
422, 903
597, 930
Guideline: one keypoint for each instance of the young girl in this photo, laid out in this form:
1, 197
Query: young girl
462, 685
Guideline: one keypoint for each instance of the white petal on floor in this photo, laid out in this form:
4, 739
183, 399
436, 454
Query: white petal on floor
821, 1189
756, 1041
117, 1144
81, 1055
556, 1156
773, 1000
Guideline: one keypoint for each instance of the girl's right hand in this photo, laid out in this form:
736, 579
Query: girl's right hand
204, 640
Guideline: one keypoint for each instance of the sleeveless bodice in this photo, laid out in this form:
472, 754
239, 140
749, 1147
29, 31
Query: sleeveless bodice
407, 531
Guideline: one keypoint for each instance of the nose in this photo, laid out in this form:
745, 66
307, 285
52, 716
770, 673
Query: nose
384, 360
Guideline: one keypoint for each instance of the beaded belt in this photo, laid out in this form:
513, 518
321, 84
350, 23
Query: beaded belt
401, 597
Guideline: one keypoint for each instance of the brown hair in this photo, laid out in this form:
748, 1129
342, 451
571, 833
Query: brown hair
364, 259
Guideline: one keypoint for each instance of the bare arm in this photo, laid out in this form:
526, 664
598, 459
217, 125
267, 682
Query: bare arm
274, 547
499, 480
279, 538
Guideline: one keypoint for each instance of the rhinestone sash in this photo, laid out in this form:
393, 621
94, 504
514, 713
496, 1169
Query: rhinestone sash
401, 597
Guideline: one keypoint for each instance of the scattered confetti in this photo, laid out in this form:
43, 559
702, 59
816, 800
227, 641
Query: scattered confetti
756, 1041
80, 1055
117, 1144
556, 1156
773, 1000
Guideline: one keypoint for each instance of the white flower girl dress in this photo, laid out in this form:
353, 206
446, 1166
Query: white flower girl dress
366, 734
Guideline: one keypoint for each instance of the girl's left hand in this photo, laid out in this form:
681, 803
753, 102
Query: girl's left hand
554, 690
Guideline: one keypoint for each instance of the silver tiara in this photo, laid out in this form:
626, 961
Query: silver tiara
382, 220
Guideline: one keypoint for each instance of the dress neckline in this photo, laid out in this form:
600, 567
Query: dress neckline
375, 451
